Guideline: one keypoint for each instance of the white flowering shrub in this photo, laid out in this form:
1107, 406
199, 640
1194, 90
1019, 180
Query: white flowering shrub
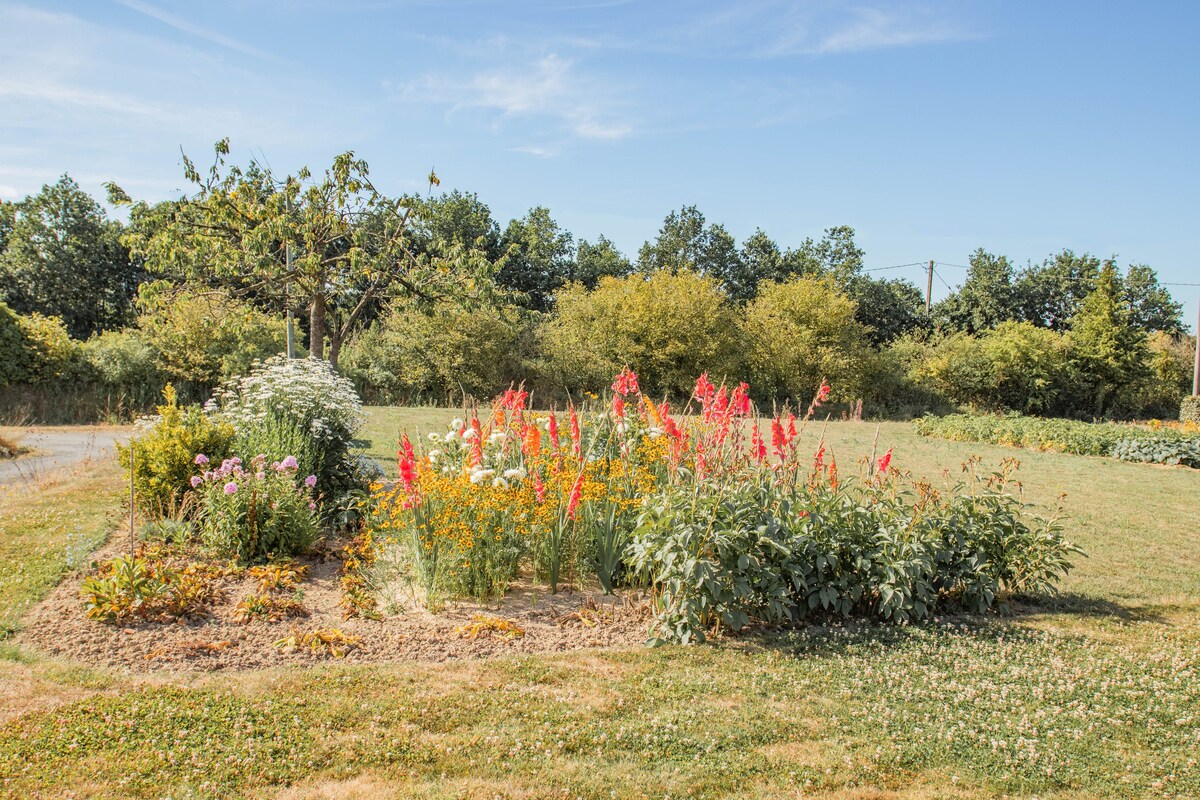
298, 407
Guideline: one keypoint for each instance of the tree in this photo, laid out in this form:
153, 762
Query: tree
685, 244
986, 298
668, 328
1050, 295
1151, 304
888, 309
596, 261
1109, 352
539, 258
8, 218
799, 332
349, 244
456, 219
63, 258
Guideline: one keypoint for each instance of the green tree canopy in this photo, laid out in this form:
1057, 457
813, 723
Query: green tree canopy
63, 258
1109, 352
986, 298
539, 257
596, 261
349, 244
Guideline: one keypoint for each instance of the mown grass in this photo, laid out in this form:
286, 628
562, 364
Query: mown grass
47, 523
1096, 694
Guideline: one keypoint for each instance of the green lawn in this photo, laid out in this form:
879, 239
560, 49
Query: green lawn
1096, 694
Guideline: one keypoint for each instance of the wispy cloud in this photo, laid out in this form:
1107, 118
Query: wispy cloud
549, 89
186, 26
874, 28
75, 96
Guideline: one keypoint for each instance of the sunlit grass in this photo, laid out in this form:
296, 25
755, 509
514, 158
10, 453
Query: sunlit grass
1094, 694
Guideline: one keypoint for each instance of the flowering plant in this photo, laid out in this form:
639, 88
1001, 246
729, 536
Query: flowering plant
257, 511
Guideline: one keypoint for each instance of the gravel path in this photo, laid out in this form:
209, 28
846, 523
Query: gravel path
60, 447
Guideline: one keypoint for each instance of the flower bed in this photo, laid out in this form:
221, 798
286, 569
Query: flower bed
715, 510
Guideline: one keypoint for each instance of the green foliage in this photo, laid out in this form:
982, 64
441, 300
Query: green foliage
1067, 436
37, 349
539, 258
202, 337
277, 436
1109, 353
414, 353
799, 332
146, 586
62, 258
667, 327
986, 299
123, 362
596, 261
334, 243
762, 552
1189, 409
256, 514
1159, 450
165, 454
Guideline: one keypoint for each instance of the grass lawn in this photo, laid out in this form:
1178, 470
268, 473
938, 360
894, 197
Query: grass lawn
1094, 694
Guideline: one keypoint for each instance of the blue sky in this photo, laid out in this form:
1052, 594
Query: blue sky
932, 128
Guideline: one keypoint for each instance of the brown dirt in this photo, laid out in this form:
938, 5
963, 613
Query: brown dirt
59, 627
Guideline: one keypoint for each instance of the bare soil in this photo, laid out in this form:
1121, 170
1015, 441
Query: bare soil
569, 620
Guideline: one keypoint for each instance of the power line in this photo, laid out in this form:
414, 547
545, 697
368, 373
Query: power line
943, 280
944, 264
896, 266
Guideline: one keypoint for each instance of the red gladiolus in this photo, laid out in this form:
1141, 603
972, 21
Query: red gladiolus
757, 446
704, 389
626, 383
820, 458
741, 400
885, 461
777, 439
823, 393
576, 494
513, 399
406, 448
575, 438
833, 473
539, 488
476, 443
552, 429
791, 428
532, 441
618, 406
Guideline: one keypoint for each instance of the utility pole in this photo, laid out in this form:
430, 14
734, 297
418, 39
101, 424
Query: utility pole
929, 290
1196, 366
287, 296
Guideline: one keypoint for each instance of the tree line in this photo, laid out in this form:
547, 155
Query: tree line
406, 293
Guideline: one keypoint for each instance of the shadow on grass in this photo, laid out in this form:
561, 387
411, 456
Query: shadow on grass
1072, 603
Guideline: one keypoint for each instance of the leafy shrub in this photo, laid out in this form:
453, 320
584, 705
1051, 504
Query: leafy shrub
123, 363
1159, 450
669, 328
284, 398
799, 332
37, 349
1067, 436
164, 455
765, 551
256, 514
414, 353
203, 337
1189, 409
146, 586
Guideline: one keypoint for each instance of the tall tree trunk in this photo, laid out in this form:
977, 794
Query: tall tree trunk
335, 346
316, 327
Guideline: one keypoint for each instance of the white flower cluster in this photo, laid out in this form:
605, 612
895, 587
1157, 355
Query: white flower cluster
306, 389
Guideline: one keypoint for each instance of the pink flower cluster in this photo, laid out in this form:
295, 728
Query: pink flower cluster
231, 472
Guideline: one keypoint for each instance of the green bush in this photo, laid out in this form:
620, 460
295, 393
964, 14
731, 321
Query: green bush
124, 364
1189, 409
37, 349
257, 514
164, 455
412, 354
1067, 436
797, 333
1159, 450
668, 327
777, 555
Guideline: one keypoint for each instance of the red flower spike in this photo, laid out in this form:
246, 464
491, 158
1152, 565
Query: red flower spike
576, 494
626, 383
757, 447
741, 400
552, 429
886, 461
575, 438
618, 406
